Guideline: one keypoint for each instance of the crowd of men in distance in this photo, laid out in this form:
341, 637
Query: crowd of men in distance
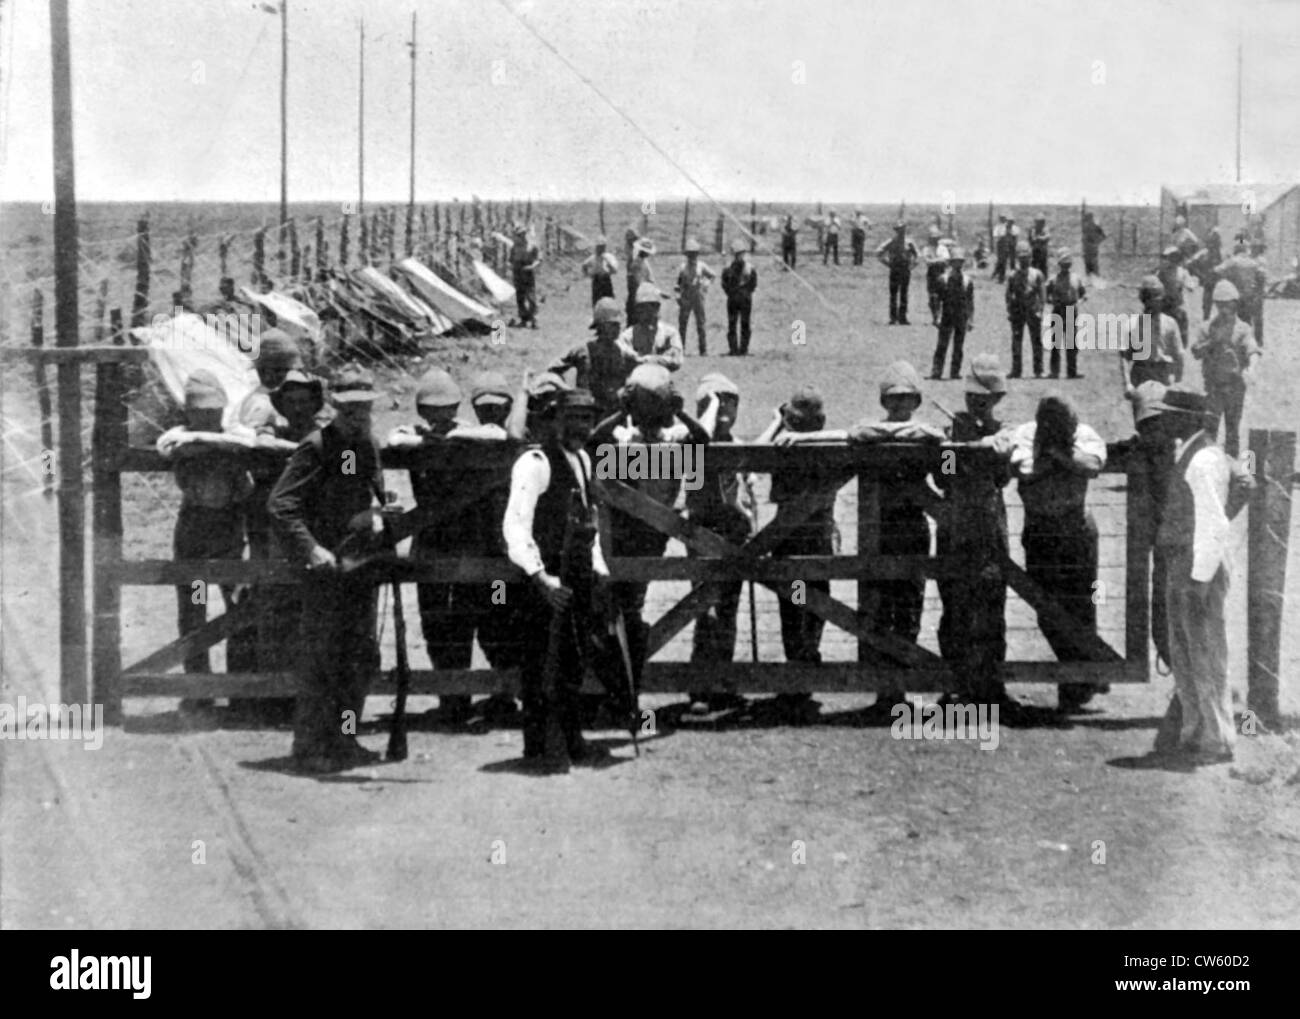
564, 614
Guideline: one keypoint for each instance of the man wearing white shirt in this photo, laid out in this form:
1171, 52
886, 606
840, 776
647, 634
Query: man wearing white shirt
1194, 537
544, 485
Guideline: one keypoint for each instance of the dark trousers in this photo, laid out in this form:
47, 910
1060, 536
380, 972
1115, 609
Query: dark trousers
203, 534
340, 660
1151, 371
687, 305
738, 315
900, 277
973, 627
951, 328
801, 631
1159, 602
533, 627
526, 300
449, 615
832, 249
1090, 264
900, 602
1034, 325
1227, 402
859, 245
1061, 339
1000, 269
601, 286
789, 254
1252, 312
1061, 557
633, 538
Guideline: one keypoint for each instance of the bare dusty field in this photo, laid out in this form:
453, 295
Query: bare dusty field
755, 823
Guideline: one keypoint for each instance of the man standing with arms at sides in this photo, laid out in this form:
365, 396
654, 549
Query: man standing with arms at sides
1194, 539
524, 260
647, 340
600, 266
898, 255
739, 281
789, 243
832, 248
1064, 292
551, 500
1159, 342
935, 254
1227, 351
692, 285
1040, 243
1093, 235
956, 314
600, 366
858, 236
1006, 236
1026, 295
325, 494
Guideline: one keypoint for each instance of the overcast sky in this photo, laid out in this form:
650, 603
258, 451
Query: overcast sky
787, 99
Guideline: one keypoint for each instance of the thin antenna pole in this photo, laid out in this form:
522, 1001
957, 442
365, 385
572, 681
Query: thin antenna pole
284, 112
361, 125
1239, 109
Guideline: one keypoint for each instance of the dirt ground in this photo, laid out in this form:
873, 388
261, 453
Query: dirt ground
704, 829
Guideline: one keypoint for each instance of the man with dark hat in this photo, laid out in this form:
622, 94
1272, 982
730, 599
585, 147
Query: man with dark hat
1040, 243
551, 498
1194, 538
324, 496
739, 281
972, 541
858, 236
956, 314
600, 365
600, 266
1025, 298
789, 243
525, 257
898, 255
1227, 351
692, 284
1006, 240
1093, 235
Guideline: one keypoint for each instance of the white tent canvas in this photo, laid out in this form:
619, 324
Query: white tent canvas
443, 296
180, 346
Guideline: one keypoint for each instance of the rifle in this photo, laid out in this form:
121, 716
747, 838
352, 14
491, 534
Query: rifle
397, 727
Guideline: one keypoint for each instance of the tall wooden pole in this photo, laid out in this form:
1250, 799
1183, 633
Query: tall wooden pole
410, 198
361, 128
284, 116
1273, 454
72, 509
1238, 111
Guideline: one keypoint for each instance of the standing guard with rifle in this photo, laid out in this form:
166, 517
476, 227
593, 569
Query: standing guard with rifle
550, 533
324, 495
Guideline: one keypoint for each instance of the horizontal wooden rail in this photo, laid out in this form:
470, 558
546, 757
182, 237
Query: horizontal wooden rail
658, 677
95, 353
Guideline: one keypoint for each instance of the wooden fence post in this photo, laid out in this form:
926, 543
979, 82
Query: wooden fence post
343, 242
143, 256
868, 548
43, 387
108, 441
295, 252
1273, 453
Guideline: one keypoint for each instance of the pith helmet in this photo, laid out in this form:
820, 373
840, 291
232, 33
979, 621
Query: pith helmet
1225, 291
986, 375
437, 388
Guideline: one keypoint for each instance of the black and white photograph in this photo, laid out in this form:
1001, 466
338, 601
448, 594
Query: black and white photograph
650, 465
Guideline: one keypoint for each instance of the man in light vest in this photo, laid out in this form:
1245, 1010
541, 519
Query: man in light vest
692, 284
